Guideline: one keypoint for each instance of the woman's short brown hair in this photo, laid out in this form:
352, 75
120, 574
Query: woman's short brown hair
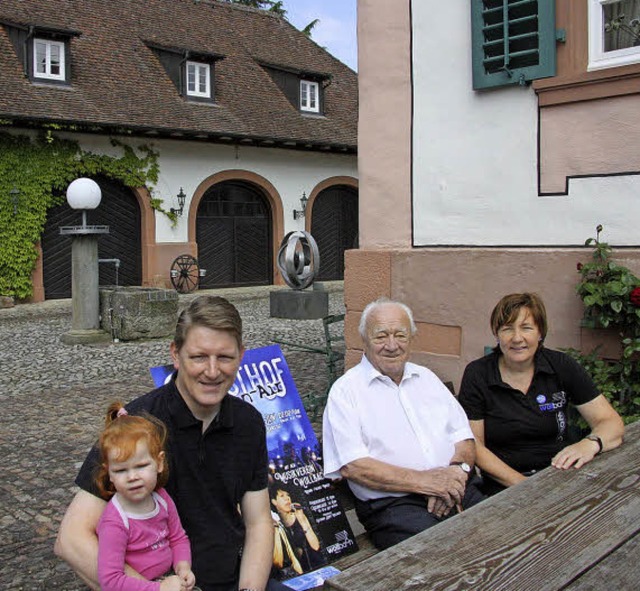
508, 308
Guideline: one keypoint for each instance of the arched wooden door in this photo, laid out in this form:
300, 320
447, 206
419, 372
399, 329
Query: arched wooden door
233, 232
120, 211
334, 225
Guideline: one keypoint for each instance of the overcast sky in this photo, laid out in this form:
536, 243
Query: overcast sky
336, 31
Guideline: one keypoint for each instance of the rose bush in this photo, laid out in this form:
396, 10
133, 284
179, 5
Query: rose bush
606, 290
611, 296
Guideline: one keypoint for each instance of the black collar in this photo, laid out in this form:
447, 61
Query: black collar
183, 416
540, 365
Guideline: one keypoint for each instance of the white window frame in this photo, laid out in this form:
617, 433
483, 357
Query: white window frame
49, 44
309, 91
198, 67
599, 59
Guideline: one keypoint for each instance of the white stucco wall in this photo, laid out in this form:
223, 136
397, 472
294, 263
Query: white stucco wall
187, 164
475, 155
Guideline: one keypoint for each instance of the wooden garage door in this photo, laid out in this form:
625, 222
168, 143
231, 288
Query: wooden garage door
334, 225
233, 231
120, 211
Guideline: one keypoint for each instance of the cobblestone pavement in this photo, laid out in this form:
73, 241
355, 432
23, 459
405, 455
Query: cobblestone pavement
53, 397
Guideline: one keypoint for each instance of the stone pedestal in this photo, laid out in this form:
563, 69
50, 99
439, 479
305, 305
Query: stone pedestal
130, 313
85, 320
299, 305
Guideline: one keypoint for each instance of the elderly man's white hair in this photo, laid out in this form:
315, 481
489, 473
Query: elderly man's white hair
362, 327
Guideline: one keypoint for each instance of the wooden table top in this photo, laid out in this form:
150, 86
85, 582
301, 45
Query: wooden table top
573, 530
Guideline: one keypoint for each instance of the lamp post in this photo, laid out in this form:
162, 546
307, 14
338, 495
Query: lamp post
84, 194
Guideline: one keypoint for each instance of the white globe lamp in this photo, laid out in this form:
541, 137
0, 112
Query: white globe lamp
84, 194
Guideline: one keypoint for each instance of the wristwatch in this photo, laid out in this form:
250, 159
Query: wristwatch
597, 440
465, 467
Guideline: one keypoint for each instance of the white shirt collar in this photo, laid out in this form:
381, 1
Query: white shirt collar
372, 373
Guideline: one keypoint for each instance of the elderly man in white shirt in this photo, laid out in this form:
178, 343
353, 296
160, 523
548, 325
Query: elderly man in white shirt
397, 434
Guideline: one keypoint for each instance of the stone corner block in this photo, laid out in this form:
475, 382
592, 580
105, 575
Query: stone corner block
6, 302
130, 313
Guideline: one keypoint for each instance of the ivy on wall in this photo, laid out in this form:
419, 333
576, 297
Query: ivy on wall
38, 171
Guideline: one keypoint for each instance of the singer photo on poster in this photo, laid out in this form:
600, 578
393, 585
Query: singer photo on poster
296, 545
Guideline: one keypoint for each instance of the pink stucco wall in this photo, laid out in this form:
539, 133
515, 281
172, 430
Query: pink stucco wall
590, 137
384, 128
452, 292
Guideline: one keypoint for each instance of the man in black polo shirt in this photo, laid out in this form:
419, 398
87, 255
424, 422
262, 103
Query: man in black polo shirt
218, 461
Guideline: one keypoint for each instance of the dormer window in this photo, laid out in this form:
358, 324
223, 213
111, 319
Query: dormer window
43, 51
309, 96
304, 89
48, 59
198, 79
192, 72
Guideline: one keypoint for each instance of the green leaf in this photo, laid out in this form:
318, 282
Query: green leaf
589, 300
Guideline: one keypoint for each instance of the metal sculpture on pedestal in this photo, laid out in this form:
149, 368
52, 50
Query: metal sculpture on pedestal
298, 259
299, 262
84, 194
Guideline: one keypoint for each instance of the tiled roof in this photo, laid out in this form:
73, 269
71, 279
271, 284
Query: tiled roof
117, 81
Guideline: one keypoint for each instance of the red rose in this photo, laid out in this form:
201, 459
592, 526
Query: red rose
579, 266
635, 297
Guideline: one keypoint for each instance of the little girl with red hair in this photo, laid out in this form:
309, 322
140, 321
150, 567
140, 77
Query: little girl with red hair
140, 526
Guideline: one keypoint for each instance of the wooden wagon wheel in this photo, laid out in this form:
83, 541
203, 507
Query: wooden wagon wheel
185, 274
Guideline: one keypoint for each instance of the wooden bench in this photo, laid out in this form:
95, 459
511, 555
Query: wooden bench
573, 530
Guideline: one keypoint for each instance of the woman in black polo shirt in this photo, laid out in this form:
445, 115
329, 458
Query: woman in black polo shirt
517, 399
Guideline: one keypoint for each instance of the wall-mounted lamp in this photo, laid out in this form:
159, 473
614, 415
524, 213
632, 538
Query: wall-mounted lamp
15, 199
181, 199
299, 213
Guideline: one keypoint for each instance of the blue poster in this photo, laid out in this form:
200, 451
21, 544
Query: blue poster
310, 527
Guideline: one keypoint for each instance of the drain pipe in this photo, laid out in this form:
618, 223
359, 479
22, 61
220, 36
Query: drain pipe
116, 263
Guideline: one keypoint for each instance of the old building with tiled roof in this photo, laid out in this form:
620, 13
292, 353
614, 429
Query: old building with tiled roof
241, 107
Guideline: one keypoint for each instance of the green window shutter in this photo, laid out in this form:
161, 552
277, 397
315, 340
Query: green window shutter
513, 41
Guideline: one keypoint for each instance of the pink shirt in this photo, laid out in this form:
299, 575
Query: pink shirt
150, 543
